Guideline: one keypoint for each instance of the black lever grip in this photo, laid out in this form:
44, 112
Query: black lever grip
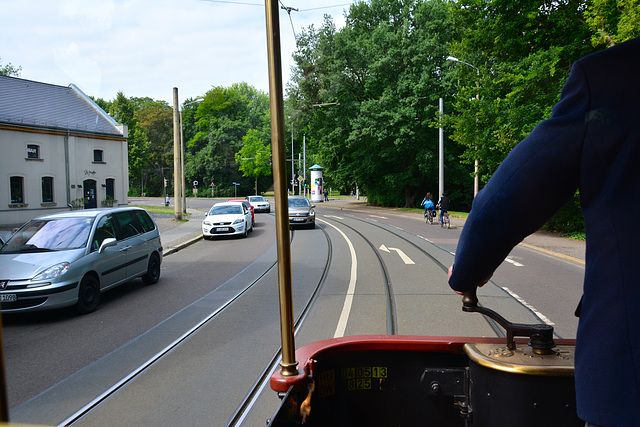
541, 336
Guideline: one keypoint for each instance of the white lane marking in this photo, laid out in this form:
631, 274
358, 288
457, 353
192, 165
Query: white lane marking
515, 263
333, 216
541, 316
376, 216
402, 255
348, 300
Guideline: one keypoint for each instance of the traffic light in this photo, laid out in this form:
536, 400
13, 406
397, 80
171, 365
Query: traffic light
165, 183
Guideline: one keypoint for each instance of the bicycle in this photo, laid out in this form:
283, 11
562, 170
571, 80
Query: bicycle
446, 221
429, 214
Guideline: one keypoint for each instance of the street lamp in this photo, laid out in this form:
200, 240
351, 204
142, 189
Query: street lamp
182, 150
476, 176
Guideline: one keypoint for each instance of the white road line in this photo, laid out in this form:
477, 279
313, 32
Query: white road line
541, 316
348, 300
333, 216
376, 216
515, 263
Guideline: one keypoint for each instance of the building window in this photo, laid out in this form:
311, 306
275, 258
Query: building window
111, 184
33, 152
47, 189
17, 189
97, 156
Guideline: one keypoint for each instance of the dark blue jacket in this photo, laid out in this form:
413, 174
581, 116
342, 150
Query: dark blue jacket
590, 143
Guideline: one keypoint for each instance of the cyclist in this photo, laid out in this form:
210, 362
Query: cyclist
444, 205
429, 207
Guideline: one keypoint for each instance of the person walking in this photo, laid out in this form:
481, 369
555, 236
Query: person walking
591, 142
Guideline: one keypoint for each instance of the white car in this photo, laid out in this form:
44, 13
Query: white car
229, 218
259, 203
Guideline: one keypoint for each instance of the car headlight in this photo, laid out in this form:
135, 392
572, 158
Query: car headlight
206, 222
238, 221
312, 213
53, 272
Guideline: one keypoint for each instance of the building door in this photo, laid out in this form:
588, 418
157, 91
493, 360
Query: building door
89, 186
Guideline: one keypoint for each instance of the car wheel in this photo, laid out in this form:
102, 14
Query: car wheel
153, 271
88, 295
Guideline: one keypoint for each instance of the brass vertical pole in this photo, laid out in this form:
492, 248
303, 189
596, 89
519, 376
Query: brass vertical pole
177, 195
276, 104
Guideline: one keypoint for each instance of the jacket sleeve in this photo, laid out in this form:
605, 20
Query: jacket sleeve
544, 166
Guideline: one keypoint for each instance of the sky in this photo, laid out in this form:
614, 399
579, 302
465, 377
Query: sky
145, 48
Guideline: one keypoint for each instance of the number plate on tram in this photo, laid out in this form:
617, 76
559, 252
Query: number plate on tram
8, 298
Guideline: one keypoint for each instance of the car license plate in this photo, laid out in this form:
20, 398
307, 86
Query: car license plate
298, 219
8, 297
222, 228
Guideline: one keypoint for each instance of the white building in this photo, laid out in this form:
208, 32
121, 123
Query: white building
58, 150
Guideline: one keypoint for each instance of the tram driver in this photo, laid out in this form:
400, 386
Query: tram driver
591, 142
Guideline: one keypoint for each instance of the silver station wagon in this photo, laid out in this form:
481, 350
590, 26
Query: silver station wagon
68, 259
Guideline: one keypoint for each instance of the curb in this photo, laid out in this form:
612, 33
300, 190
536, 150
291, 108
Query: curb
171, 250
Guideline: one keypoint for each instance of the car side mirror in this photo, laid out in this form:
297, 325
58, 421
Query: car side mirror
106, 243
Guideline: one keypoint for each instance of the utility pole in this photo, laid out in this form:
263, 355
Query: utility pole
177, 170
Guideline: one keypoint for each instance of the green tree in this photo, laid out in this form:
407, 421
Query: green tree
613, 21
254, 157
381, 78
522, 51
10, 70
215, 134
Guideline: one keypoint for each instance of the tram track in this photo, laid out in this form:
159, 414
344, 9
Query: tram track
272, 363
497, 329
392, 329
262, 378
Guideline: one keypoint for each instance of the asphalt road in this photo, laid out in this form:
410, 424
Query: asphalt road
55, 360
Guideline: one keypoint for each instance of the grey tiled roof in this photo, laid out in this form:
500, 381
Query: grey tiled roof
43, 105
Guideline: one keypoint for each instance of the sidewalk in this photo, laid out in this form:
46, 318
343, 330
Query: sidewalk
177, 235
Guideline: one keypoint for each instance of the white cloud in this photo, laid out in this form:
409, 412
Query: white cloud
147, 47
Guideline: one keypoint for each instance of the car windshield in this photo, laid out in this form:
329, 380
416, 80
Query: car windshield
256, 199
50, 235
226, 210
299, 203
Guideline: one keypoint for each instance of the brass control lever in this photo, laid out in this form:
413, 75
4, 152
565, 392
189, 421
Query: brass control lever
540, 336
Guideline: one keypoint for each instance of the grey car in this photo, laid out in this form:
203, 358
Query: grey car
301, 212
70, 258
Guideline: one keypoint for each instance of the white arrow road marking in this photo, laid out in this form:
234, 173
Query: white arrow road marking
403, 256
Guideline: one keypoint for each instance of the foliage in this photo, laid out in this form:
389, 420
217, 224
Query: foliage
215, 130
10, 70
613, 21
379, 79
569, 219
254, 157
522, 53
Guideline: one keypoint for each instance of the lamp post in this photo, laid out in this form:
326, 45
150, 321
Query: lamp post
176, 158
476, 176
182, 150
